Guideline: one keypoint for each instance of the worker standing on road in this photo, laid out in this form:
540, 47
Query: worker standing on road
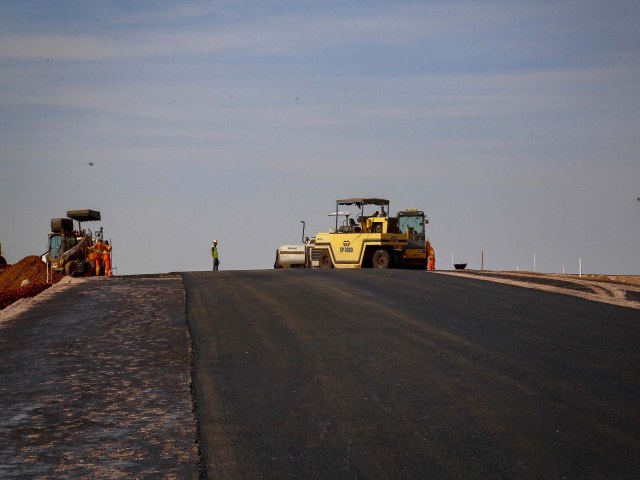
106, 258
214, 255
432, 259
96, 255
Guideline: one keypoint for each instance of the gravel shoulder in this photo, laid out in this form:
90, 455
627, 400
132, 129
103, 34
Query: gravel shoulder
96, 382
621, 290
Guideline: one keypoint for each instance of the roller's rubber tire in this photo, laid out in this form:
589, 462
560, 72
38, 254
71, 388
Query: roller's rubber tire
381, 259
325, 260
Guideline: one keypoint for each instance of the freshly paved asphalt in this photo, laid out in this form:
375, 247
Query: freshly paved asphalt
401, 374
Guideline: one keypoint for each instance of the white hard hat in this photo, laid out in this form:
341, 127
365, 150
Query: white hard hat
215, 241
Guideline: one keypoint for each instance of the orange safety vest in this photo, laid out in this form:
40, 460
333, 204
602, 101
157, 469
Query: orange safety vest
96, 251
106, 259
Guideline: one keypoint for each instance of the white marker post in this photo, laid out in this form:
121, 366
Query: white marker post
580, 267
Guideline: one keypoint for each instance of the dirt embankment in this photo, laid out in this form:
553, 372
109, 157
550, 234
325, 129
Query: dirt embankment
30, 271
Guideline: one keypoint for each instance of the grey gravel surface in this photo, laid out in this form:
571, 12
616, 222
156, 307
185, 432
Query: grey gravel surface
95, 383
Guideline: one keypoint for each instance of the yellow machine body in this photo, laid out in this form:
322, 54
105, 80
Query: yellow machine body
373, 241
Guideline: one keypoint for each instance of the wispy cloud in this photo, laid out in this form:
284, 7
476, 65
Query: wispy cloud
478, 28
55, 46
173, 14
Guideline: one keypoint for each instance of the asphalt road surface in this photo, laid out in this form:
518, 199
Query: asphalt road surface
397, 374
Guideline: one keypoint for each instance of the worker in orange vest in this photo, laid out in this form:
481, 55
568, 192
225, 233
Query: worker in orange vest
432, 259
96, 255
106, 258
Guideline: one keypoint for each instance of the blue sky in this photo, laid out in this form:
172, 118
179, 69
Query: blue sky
514, 125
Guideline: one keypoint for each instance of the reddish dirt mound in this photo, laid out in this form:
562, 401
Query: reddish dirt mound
30, 268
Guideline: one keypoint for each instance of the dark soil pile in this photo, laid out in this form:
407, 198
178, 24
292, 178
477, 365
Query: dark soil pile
30, 268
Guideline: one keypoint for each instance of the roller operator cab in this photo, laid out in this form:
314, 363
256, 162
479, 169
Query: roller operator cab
412, 222
370, 240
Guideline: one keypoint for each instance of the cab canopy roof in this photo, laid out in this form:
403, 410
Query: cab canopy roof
363, 201
84, 215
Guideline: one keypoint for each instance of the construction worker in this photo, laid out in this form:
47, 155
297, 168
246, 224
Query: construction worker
96, 255
214, 255
106, 258
432, 259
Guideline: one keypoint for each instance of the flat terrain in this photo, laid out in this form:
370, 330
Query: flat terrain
397, 374
319, 374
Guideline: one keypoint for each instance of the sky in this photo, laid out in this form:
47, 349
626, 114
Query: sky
515, 125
